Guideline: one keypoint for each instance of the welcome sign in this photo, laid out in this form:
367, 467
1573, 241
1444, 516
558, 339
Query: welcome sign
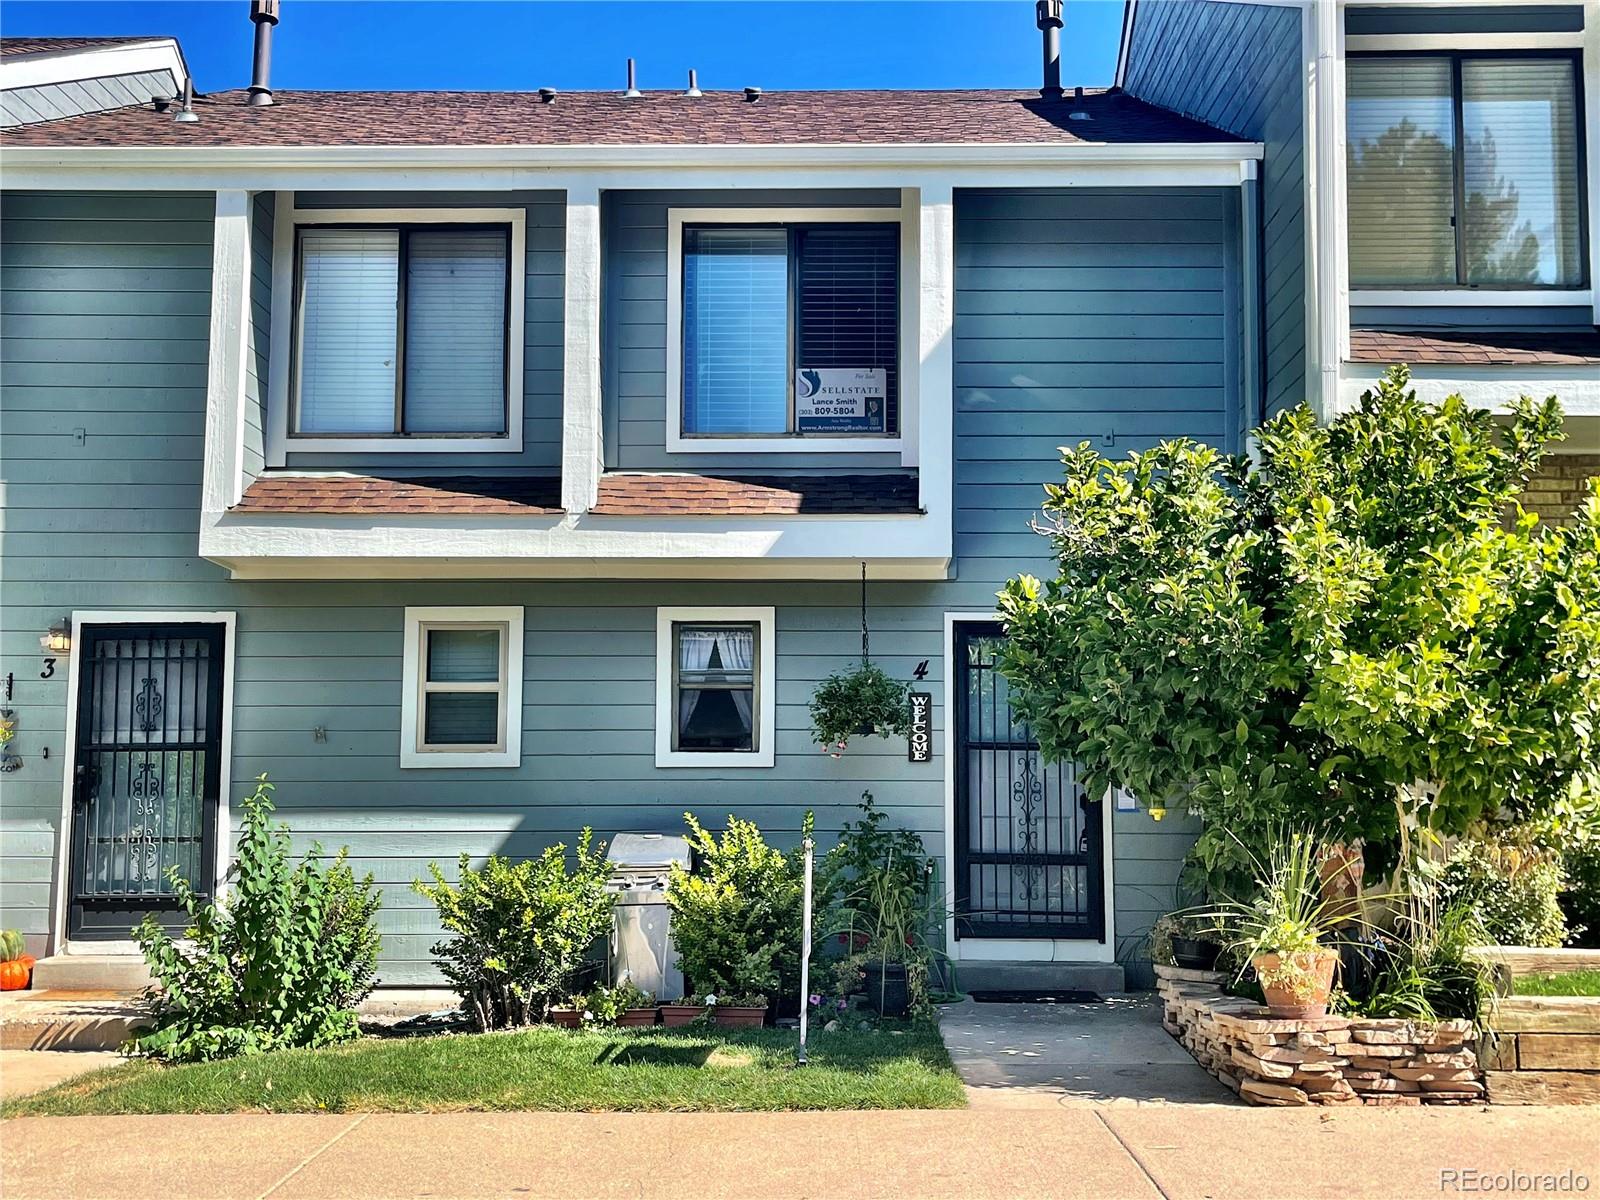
840, 399
919, 747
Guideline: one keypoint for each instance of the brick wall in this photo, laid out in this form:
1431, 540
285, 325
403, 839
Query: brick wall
1555, 491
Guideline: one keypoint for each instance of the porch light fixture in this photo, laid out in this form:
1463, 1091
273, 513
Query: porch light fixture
58, 638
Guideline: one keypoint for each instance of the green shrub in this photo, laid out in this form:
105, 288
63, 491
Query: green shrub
282, 961
1580, 902
1515, 892
520, 929
736, 918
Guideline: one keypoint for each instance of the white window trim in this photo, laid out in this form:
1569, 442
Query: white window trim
412, 752
766, 689
287, 220
57, 940
680, 443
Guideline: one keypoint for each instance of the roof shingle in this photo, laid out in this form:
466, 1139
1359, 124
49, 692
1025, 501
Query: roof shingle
607, 118
17, 47
1477, 347
622, 494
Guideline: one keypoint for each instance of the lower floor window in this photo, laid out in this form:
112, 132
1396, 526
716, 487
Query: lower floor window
463, 687
715, 704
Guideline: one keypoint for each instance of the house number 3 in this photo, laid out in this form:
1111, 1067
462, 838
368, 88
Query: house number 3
49, 669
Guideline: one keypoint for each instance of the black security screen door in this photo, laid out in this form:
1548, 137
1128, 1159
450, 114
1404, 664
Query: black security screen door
1028, 846
146, 772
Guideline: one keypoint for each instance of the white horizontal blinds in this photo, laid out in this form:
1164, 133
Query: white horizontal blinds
462, 687
847, 295
1520, 158
1400, 132
736, 331
349, 287
455, 347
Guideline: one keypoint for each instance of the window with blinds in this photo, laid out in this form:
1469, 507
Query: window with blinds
1463, 170
402, 331
765, 304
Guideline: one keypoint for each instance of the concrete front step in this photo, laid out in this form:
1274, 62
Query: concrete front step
91, 973
69, 1020
1008, 976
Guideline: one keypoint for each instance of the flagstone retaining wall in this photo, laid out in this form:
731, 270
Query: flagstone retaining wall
1321, 1060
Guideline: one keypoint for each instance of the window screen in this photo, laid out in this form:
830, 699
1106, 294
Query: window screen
348, 290
1520, 127
359, 288
1463, 170
1401, 149
769, 309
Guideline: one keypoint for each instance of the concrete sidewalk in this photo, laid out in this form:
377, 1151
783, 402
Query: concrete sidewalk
1173, 1152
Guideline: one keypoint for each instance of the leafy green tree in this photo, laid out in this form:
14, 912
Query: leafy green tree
1348, 635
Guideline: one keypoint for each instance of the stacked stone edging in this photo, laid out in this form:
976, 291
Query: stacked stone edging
1318, 1060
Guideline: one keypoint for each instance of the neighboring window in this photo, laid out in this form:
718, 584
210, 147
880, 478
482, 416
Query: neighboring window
402, 331
790, 330
715, 681
463, 688
1464, 170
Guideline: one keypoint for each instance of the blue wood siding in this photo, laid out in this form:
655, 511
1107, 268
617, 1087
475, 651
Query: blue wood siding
1080, 314
634, 244
51, 101
1238, 67
545, 284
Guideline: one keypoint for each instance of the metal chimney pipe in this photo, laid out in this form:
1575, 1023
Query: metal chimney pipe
633, 87
1050, 22
265, 15
186, 114
694, 83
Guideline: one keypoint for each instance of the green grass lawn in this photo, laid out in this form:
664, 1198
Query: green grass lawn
550, 1069
1567, 983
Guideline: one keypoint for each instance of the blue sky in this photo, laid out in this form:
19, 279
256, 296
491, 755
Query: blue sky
466, 44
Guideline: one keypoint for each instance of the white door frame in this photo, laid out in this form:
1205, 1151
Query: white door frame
57, 941
1078, 950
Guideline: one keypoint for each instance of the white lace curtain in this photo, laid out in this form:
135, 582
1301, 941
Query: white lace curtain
735, 649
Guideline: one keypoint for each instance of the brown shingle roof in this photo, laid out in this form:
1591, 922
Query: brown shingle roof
622, 494
356, 495
16, 47
1477, 347
626, 494
606, 118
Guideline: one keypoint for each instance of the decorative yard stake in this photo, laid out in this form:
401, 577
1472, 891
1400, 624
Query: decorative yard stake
805, 953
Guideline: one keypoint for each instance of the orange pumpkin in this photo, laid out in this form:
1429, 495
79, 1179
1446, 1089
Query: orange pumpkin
14, 975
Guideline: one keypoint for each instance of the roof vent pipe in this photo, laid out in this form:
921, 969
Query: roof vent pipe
1049, 22
694, 83
633, 88
186, 115
265, 15
752, 94
548, 95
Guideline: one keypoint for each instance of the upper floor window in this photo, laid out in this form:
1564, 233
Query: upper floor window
787, 329
401, 331
1464, 170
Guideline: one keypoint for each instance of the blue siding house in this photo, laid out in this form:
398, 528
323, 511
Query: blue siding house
487, 466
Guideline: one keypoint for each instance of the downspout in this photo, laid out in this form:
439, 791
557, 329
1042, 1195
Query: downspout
1330, 337
1252, 309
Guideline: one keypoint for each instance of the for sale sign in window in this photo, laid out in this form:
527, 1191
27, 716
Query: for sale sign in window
840, 400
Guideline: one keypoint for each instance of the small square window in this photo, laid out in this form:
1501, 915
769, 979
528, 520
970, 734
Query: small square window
463, 688
716, 671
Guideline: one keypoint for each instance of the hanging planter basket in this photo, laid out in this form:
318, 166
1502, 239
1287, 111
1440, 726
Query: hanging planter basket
861, 702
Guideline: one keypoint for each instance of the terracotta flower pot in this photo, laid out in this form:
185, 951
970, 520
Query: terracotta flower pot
676, 1016
739, 1016
633, 1018
564, 1018
1297, 999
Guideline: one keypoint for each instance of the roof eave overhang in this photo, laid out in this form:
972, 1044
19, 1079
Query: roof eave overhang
265, 166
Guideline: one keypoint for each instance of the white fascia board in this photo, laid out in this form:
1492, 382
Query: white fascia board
1491, 387
466, 547
1471, 298
809, 570
92, 62
1463, 41
512, 168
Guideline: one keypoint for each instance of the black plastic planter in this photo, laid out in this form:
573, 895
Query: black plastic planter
888, 993
1195, 954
